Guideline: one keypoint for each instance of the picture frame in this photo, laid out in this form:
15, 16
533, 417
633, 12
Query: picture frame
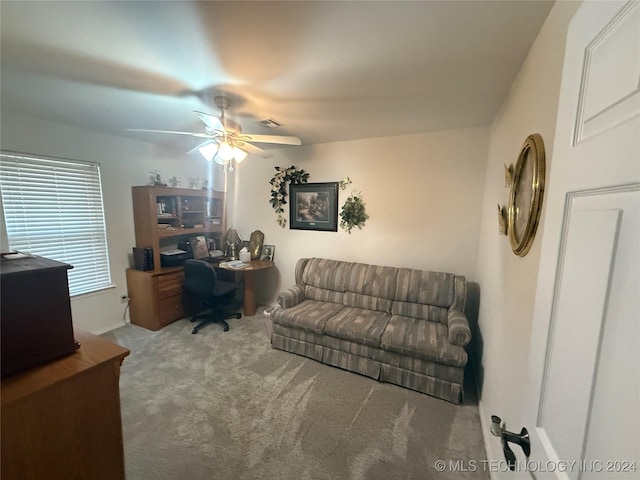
314, 206
199, 246
268, 252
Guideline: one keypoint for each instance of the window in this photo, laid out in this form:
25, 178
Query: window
53, 208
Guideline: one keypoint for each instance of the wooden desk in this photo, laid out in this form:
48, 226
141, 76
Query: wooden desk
249, 282
156, 297
62, 420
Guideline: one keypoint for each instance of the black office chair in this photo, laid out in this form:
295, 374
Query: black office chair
201, 282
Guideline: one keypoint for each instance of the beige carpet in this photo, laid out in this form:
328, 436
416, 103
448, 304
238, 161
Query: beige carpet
226, 406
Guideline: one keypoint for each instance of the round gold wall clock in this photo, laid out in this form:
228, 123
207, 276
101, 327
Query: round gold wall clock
527, 190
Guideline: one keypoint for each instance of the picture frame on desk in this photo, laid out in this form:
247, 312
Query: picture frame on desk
268, 251
199, 246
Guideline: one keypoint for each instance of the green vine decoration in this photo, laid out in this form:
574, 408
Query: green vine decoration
279, 189
353, 212
344, 182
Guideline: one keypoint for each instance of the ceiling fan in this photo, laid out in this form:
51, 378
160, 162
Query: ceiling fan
225, 140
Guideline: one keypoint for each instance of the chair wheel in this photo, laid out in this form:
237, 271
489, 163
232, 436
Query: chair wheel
238, 315
194, 331
225, 329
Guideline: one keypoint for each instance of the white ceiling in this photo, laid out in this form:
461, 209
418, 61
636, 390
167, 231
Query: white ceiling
329, 71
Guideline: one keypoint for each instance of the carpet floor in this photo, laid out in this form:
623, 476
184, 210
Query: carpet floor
222, 405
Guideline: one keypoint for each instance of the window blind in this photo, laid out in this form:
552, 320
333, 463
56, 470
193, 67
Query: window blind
53, 208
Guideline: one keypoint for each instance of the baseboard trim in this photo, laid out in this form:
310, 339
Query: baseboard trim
487, 436
109, 328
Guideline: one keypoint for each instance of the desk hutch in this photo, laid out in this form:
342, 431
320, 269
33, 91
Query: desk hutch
164, 216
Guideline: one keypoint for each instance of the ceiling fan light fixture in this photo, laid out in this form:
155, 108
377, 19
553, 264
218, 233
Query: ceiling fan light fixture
239, 154
208, 151
225, 152
223, 140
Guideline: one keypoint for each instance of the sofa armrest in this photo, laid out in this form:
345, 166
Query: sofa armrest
459, 331
292, 296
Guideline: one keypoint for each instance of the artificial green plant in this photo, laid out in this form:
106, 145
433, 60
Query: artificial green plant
279, 192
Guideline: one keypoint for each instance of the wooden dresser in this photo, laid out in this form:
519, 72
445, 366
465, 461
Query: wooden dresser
62, 420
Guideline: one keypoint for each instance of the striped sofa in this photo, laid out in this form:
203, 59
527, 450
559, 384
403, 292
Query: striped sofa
396, 325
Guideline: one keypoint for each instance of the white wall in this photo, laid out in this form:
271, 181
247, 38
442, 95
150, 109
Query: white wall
423, 195
508, 282
124, 163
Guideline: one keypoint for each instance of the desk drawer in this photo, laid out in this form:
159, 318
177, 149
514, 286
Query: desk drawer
170, 284
173, 308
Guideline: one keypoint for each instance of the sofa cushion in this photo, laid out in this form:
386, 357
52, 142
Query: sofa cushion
327, 274
358, 325
367, 302
418, 310
422, 339
372, 280
308, 315
323, 295
348, 346
413, 364
428, 288
298, 334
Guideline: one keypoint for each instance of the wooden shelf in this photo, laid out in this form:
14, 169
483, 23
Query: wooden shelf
168, 233
202, 206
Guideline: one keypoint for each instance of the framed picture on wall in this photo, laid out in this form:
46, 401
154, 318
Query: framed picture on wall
314, 206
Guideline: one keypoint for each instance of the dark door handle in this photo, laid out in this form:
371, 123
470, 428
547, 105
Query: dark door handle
522, 439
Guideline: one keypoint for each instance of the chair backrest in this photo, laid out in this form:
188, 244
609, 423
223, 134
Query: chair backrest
199, 278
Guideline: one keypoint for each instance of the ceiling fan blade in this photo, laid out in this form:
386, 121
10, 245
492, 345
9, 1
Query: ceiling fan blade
198, 147
210, 120
284, 140
199, 135
247, 147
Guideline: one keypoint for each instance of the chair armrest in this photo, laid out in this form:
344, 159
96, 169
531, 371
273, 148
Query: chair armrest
271, 309
459, 331
291, 297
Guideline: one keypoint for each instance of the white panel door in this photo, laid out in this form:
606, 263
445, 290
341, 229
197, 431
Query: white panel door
584, 369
